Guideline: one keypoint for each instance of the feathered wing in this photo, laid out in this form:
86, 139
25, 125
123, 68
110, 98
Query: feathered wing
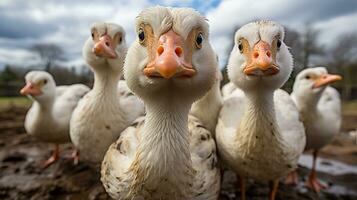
288, 119
118, 160
67, 98
228, 89
231, 112
61, 89
204, 160
133, 106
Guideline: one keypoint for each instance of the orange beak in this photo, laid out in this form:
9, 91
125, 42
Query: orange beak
170, 59
326, 79
105, 48
261, 61
31, 89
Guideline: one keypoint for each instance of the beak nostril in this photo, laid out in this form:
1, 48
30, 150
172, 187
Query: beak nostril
255, 54
268, 54
178, 51
160, 50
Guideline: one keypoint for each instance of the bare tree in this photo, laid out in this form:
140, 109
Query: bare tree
342, 57
293, 39
310, 45
48, 53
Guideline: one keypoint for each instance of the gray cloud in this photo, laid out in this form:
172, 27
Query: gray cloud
66, 23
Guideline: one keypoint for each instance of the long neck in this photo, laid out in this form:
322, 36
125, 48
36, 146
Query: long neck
43, 112
307, 104
259, 124
163, 157
105, 84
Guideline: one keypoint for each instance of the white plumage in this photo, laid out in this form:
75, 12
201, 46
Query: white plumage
49, 116
259, 134
320, 109
167, 155
104, 112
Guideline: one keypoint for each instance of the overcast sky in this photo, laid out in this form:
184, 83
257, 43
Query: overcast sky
66, 22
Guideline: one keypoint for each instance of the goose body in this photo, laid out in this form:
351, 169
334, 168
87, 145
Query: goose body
269, 150
49, 116
101, 115
320, 109
168, 154
259, 134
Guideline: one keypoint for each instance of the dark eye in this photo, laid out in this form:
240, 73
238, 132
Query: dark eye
240, 46
278, 43
45, 81
93, 36
199, 40
120, 40
141, 35
307, 77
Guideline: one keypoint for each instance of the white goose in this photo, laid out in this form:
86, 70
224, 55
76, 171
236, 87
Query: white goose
320, 109
259, 134
49, 116
167, 156
102, 114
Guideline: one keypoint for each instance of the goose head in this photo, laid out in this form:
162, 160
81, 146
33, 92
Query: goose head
40, 85
171, 56
105, 49
310, 83
260, 58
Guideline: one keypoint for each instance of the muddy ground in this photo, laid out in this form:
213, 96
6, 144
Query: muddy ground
22, 178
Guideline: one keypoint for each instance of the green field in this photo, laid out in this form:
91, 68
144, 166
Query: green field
17, 101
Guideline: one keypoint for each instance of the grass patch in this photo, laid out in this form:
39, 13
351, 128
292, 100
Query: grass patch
17, 101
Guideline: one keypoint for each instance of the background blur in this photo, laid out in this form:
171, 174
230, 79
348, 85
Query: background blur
49, 35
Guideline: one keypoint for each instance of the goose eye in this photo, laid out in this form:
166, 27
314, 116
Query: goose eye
45, 81
307, 77
240, 46
278, 44
199, 40
93, 36
141, 35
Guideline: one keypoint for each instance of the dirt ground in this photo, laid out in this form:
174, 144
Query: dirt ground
22, 178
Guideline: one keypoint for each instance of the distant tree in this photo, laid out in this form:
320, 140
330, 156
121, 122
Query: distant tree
293, 39
310, 46
48, 53
8, 75
342, 58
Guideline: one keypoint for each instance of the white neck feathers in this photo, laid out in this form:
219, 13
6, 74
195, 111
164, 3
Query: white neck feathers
163, 160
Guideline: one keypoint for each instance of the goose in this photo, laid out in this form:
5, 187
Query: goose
168, 154
102, 114
48, 118
259, 134
320, 109
206, 109
228, 89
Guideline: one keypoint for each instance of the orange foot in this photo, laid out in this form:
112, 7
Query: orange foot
54, 157
315, 184
291, 178
75, 156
